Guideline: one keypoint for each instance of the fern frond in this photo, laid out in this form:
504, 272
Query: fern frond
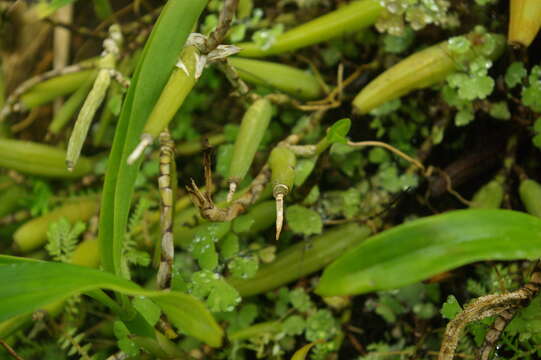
72, 342
137, 215
62, 239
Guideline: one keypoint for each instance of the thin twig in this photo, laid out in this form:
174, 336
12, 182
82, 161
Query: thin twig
226, 16
77, 30
391, 148
10, 350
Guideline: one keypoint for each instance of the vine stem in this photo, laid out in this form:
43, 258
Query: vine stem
391, 148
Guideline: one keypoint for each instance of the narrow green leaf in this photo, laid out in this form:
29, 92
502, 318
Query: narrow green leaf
422, 248
34, 284
302, 353
158, 59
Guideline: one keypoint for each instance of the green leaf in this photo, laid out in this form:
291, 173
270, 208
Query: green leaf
244, 267
35, 284
475, 87
450, 308
531, 96
337, 133
223, 297
300, 300
150, 311
422, 248
294, 325
464, 116
159, 57
320, 325
499, 110
514, 74
303, 221
302, 353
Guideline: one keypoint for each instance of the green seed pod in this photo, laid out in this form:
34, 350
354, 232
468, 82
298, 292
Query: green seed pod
70, 107
420, 70
179, 85
288, 79
33, 234
86, 253
489, 196
282, 162
524, 21
347, 19
530, 194
90, 106
252, 128
49, 90
37, 159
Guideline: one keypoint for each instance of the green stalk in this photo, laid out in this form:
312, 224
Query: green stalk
37, 159
420, 70
49, 90
286, 78
347, 19
298, 261
179, 85
33, 234
70, 107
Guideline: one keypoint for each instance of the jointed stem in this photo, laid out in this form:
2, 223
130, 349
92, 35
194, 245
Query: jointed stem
167, 168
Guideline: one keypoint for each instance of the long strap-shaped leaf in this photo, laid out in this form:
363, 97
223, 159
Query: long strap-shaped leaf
158, 59
422, 248
30, 285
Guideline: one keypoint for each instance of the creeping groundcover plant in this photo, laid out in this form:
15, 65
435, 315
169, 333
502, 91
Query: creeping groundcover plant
249, 179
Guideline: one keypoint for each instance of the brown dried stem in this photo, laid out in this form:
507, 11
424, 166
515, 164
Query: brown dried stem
226, 17
485, 306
